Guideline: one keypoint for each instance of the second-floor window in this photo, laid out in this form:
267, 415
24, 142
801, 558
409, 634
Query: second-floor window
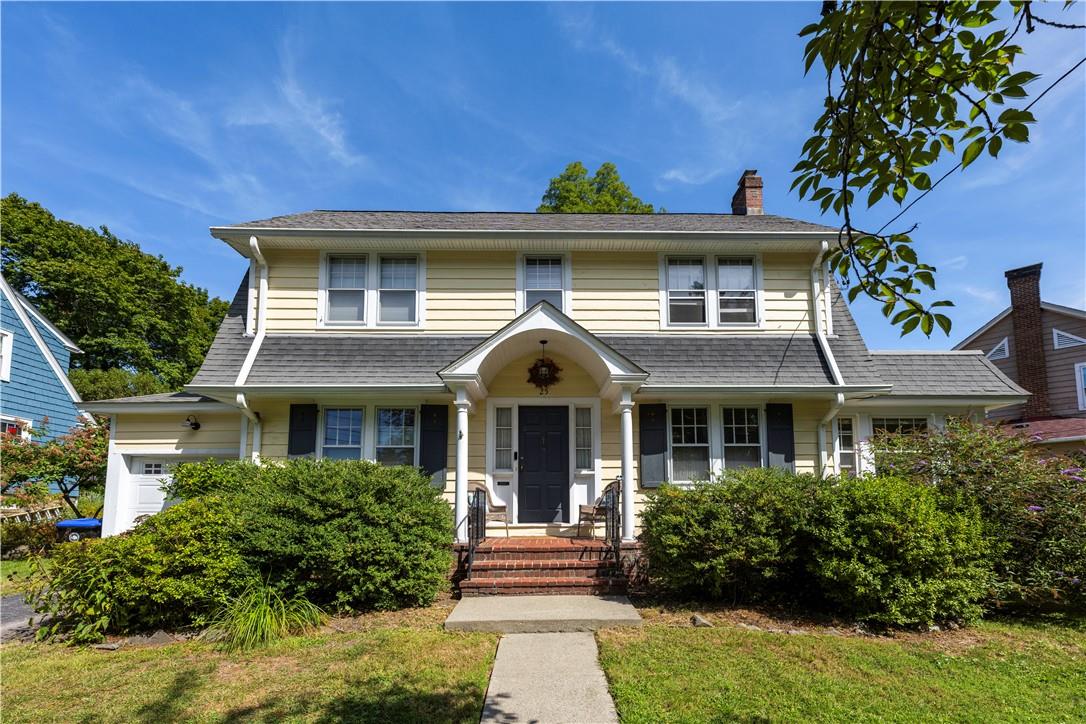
398, 290
736, 289
347, 289
543, 277
685, 291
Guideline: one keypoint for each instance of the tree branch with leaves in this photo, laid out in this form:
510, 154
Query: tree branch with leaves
908, 84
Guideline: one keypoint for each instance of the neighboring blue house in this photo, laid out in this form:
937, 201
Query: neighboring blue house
34, 361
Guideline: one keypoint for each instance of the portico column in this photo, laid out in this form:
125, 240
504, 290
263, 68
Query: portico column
463, 404
626, 409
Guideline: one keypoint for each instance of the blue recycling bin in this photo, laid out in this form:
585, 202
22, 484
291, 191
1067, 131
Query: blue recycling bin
77, 529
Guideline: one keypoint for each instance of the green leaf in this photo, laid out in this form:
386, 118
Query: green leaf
926, 324
994, 145
947, 141
972, 151
1017, 132
906, 254
944, 323
909, 325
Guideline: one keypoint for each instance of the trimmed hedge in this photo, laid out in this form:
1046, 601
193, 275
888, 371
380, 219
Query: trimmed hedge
346, 535
880, 550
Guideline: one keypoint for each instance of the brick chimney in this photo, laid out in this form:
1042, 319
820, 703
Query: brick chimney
748, 197
1029, 348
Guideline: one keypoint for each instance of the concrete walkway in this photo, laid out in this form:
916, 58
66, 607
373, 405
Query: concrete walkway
549, 678
541, 614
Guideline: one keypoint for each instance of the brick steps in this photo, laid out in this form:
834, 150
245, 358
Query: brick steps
513, 586
523, 566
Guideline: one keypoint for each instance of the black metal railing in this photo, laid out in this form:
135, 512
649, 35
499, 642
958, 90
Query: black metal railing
612, 503
476, 524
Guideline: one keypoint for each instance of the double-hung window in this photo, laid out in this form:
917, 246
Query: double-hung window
689, 443
1080, 384
846, 446
398, 290
736, 291
686, 291
543, 281
346, 291
396, 435
742, 438
342, 434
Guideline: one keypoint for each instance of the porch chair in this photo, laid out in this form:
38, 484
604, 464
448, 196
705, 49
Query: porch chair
596, 511
494, 511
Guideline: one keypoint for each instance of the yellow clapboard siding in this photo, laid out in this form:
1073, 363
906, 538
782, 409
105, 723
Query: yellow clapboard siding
217, 431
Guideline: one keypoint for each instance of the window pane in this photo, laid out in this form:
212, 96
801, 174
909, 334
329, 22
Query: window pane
742, 456
396, 427
347, 272
543, 273
503, 438
690, 463
583, 442
342, 453
343, 427
737, 307
397, 306
686, 310
735, 274
398, 273
899, 424
685, 274
346, 306
396, 455
533, 297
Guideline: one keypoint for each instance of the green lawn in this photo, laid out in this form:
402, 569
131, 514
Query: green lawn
391, 671
13, 576
990, 673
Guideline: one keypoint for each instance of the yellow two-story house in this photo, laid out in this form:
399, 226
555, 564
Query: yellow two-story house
539, 357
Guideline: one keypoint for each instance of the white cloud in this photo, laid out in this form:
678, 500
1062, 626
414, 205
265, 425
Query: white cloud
983, 294
954, 263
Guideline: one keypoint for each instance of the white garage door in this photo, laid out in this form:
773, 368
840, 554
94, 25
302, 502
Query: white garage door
146, 475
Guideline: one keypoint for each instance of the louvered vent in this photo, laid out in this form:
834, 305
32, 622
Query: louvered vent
1000, 351
1063, 340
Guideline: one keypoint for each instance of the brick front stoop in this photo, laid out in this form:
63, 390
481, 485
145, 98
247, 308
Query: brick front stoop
544, 566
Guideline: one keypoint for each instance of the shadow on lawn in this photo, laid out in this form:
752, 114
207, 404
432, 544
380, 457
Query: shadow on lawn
366, 703
174, 701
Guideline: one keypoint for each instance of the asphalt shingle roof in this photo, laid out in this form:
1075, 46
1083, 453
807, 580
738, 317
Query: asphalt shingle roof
942, 374
526, 221
169, 397
228, 350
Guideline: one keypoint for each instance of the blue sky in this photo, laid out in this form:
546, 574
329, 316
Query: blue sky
159, 120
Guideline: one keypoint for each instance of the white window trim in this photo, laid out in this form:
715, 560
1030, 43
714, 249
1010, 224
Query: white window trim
865, 460
762, 454
1079, 386
712, 292
567, 279
855, 444
24, 425
709, 446
369, 425
372, 297
1073, 340
7, 344
512, 477
717, 451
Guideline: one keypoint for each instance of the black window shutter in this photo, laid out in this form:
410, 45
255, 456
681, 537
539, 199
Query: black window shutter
652, 420
302, 438
780, 436
434, 442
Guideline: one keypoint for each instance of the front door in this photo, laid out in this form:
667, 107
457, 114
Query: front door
543, 483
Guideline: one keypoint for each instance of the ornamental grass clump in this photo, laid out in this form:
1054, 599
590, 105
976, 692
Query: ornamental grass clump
259, 616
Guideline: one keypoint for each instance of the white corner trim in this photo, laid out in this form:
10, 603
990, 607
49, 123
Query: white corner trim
42, 346
7, 346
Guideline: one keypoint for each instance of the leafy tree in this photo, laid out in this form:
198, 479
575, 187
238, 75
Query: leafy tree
76, 461
123, 307
906, 85
116, 382
573, 192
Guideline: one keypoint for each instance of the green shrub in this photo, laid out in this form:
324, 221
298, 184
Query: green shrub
347, 534
883, 550
174, 570
38, 536
260, 615
1033, 504
191, 480
734, 537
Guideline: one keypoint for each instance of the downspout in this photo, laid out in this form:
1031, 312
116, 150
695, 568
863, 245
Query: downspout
260, 307
817, 271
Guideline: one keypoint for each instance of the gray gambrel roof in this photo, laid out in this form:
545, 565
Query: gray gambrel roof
492, 221
670, 359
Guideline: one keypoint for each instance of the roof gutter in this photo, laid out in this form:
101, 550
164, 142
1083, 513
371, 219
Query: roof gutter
816, 314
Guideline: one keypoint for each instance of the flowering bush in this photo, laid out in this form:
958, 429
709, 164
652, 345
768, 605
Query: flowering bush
75, 461
1033, 504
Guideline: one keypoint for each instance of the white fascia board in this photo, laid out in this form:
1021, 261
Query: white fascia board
47, 353
112, 408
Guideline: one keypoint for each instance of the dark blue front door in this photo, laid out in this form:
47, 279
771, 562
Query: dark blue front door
544, 465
